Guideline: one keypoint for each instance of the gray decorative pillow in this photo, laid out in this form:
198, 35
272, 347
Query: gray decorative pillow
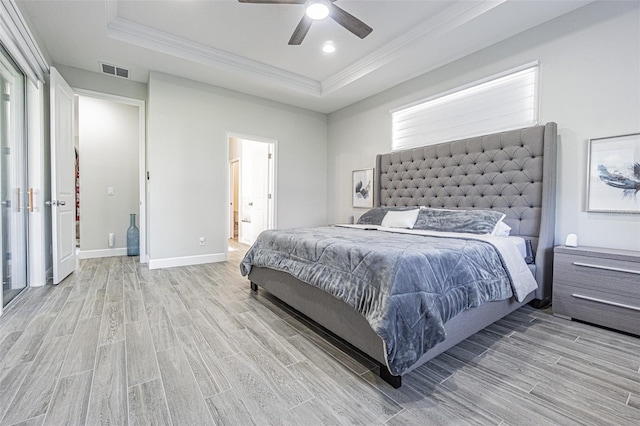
375, 215
469, 221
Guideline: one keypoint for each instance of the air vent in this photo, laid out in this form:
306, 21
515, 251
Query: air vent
114, 70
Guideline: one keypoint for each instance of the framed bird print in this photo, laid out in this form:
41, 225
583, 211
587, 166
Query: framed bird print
613, 180
362, 188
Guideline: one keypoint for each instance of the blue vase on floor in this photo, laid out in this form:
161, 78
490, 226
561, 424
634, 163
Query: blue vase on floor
133, 237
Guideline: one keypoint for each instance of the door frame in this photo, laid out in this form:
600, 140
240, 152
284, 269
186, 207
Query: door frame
142, 158
232, 184
272, 222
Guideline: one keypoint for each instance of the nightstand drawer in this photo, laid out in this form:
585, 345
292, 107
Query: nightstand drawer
609, 310
601, 274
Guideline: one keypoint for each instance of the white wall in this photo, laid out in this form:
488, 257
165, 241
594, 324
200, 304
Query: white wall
109, 152
589, 85
187, 153
82, 79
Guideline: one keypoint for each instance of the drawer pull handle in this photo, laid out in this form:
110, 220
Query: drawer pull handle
606, 302
607, 268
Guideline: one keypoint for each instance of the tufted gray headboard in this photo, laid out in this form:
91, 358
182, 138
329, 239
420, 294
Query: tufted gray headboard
513, 172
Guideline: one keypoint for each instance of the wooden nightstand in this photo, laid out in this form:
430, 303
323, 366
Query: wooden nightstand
598, 285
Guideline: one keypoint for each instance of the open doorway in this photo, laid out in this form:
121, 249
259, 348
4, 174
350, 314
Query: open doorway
252, 198
234, 213
110, 173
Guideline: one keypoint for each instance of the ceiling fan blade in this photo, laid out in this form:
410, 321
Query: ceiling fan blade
301, 31
349, 21
273, 1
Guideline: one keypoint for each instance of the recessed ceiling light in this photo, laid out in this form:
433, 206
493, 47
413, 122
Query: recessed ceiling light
329, 47
317, 9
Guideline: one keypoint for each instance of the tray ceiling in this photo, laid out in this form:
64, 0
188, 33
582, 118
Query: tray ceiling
244, 47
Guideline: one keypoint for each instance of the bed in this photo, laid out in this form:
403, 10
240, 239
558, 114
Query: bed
510, 173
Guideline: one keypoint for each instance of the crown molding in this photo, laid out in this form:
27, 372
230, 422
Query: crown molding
163, 42
454, 16
447, 20
111, 6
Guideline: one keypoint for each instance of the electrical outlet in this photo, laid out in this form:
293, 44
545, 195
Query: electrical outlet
203, 241
110, 190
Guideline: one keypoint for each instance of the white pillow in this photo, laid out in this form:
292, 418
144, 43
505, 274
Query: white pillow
501, 229
400, 219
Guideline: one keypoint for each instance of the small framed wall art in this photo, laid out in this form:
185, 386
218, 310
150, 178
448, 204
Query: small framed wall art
362, 188
613, 179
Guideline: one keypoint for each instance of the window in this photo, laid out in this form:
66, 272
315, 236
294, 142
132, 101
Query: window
501, 102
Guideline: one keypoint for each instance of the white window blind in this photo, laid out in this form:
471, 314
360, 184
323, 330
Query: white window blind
503, 102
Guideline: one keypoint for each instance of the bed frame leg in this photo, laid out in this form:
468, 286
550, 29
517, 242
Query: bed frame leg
385, 374
254, 286
540, 304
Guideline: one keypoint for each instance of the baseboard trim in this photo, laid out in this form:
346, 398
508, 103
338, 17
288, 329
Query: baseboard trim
186, 261
93, 254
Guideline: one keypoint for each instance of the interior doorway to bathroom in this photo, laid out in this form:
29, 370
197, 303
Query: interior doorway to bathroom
252, 188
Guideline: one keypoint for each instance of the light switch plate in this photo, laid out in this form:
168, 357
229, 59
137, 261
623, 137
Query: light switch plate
110, 190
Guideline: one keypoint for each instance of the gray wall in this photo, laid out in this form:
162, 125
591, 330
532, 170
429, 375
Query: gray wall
188, 161
589, 85
109, 152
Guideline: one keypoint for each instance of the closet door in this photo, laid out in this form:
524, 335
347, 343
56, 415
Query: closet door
13, 180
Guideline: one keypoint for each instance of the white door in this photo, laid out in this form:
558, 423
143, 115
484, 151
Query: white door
63, 187
233, 197
255, 190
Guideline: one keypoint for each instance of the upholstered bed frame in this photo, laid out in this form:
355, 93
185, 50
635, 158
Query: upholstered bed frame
513, 172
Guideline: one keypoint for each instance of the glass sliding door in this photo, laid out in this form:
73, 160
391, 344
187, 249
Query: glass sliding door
13, 180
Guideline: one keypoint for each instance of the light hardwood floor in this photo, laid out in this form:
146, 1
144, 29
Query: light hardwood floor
116, 344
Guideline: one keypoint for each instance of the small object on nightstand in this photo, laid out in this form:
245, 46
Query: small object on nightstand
572, 240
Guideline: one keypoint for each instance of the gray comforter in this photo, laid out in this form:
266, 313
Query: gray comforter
406, 286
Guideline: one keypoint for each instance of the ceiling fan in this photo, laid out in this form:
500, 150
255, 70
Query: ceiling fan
316, 10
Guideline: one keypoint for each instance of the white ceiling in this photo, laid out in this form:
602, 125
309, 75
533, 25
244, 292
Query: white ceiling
244, 47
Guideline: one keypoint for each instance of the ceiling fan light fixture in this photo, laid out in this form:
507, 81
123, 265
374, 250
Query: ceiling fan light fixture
317, 9
329, 47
